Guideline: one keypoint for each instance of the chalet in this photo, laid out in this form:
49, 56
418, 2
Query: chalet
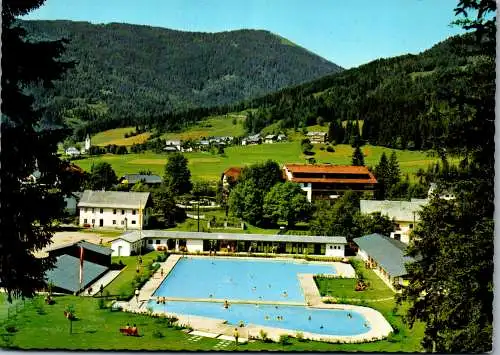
173, 143
204, 143
281, 138
72, 152
255, 139
114, 209
324, 181
232, 173
227, 242
404, 214
131, 179
270, 138
170, 149
386, 257
317, 137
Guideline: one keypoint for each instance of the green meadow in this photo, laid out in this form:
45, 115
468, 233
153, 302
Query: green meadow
208, 166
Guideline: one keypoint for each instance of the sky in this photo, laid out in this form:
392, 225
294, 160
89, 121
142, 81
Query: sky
346, 32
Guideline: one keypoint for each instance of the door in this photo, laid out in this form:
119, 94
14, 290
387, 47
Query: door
119, 250
101, 222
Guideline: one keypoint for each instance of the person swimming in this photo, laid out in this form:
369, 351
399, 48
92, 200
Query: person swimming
309, 318
266, 317
349, 315
321, 327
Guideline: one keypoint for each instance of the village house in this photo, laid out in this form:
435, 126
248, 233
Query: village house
255, 139
404, 214
230, 174
149, 180
281, 138
72, 152
114, 209
270, 138
173, 143
130, 243
317, 137
324, 181
386, 257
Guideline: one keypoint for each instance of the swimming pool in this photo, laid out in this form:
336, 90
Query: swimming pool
322, 321
241, 279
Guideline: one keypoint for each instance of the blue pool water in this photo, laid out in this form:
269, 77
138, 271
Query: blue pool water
334, 322
251, 280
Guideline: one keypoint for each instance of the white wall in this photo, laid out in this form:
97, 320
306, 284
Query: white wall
108, 217
403, 230
194, 245
307, 187
334, 250
363, 255
123, 251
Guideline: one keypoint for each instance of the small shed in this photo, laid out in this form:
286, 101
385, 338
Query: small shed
65, 276
127, 244
91, 252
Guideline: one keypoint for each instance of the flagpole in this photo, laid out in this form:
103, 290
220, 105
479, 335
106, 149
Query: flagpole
81, 268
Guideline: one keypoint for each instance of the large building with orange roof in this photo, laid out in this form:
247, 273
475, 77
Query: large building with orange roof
326, 181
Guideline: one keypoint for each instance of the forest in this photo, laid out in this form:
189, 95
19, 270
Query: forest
128, 73
403, 101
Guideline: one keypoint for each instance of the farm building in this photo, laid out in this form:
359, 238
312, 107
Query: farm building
131, 242
386, 256
324, 181
115, 209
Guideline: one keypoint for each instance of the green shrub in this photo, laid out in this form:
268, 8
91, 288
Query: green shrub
285, 339
157, 334
101, 303
300, 336
11, 328
330, 149
263, 335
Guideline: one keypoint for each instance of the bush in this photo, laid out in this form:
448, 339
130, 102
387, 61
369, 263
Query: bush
285, 339
321, 148
101, 303
330, 149
157, 334
263, 335
300, 336
11, 328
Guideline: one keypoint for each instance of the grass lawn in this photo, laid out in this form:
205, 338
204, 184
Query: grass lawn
344, 288
117, 136
41, 326
122, 285
207, 166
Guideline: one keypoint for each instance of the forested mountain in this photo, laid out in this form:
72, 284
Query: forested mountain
404, 101
142, 71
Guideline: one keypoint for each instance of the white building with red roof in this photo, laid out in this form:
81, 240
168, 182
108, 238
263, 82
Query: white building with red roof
325, 181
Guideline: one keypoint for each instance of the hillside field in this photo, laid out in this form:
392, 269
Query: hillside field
117, 136
207, 166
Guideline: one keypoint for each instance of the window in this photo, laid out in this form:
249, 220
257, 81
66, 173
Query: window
411, 225
123, 222
397, 225
133, 222
331, 247
101, 211
157, 241
93, 221
114, 221
114, 211
133, 212
93, 211
123, 211
150, 241
85, 210
85, 221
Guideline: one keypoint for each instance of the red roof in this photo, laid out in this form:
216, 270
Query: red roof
233, 172
330, 169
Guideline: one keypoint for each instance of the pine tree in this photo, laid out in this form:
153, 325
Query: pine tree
393, 171
381, 172
177, 177
358, 158
28, 209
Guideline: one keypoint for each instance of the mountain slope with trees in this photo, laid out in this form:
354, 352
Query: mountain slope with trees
400, 99
145, 71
